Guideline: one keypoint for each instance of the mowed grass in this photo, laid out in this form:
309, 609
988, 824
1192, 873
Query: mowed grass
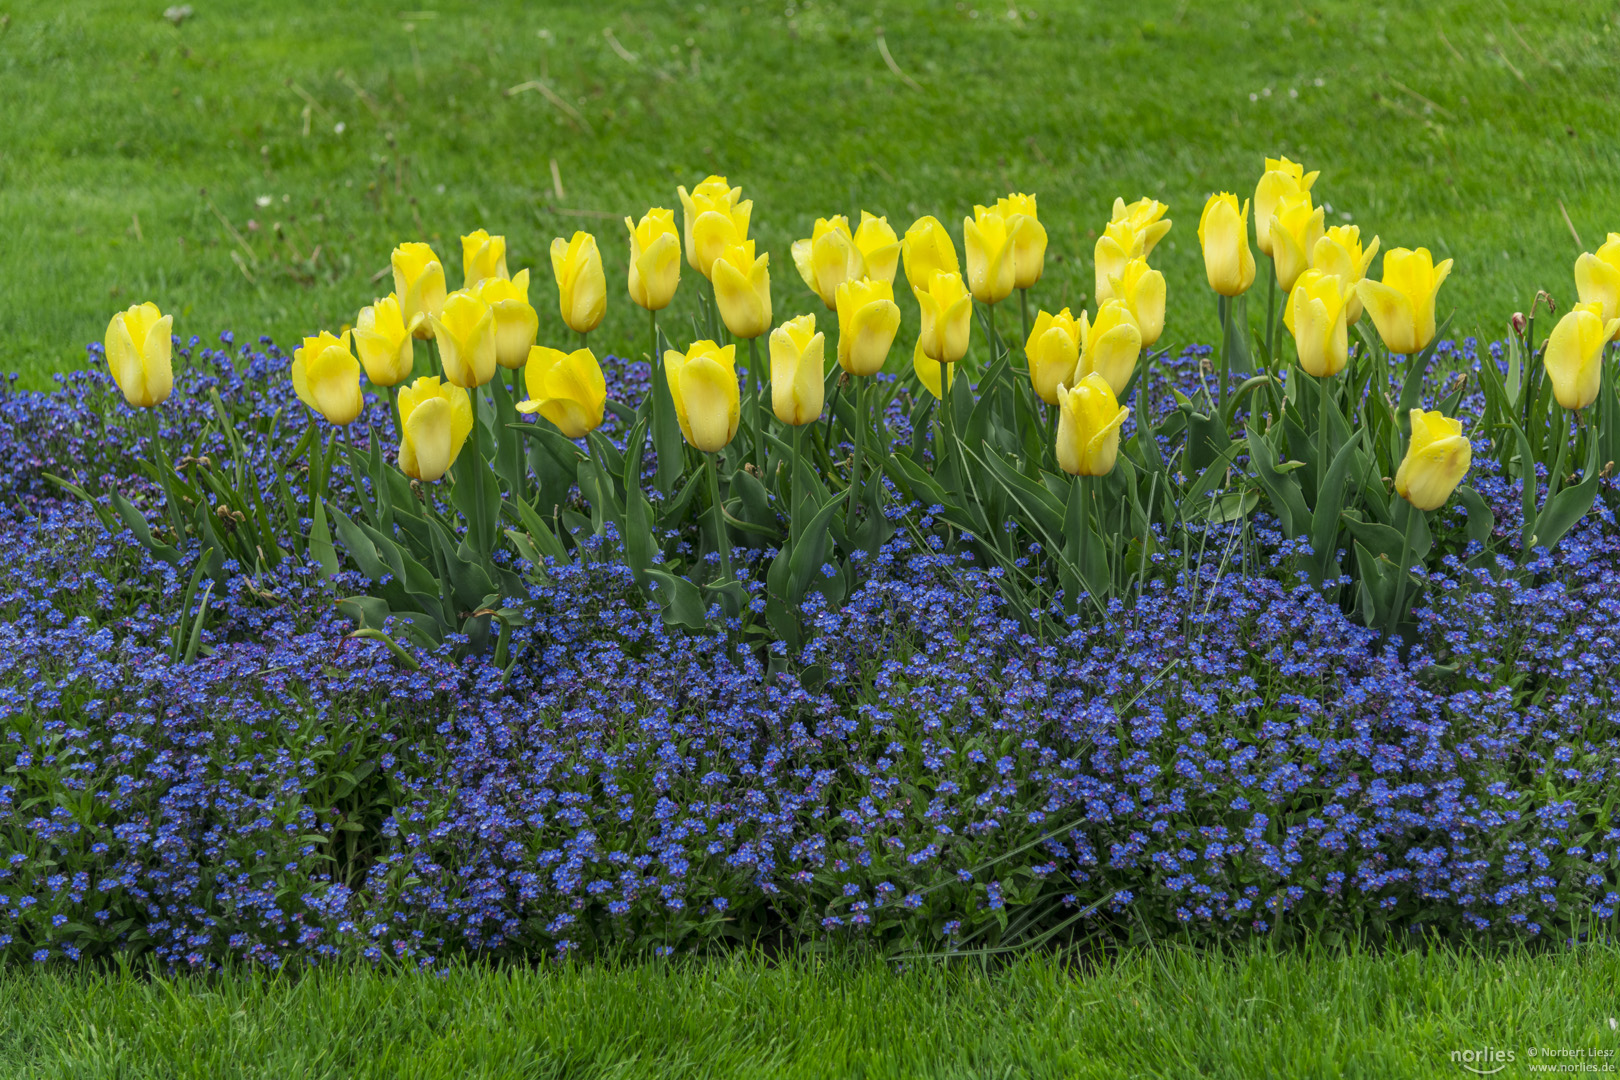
1159, 1013
251, 168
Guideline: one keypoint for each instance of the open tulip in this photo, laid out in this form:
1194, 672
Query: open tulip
565, 388
434, 421
947, 318
1317, 317
1281, 178
1028, 238
928, 373
1089, 420
1402, 305
655, 258
419, 284
927, 250
1116, 248
828, 258
482, 257
1223, 233
867, 320
581, 284
1437, 458
465, 333
384, 342
703, 382
516, 321
326, 377
742, 289
1296, 226
1110, 345
1053, 352
139, 350
716, 218
879, 247
1340, 254
1597, 277
1141, 289
1146, 217
989, 245
1574, 356
798, 354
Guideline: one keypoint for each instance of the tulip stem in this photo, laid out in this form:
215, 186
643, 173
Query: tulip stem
519, 473
1082, 486
756, 380
1271, 313
1023, 311
945, 419
475, 476
393, 410
1223, 305
721, 543
1555, 478
1406, 571
1321, 444
657, 364
795, 524
860, 444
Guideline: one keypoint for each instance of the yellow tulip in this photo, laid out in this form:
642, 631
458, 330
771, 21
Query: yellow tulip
703, 382
1110, 345
879, 247
716, 218
434, 422
1317, 316
465, 333
482, 257
1281, 178
828, 258
565, 388
1028, 239
1118, 246
1574, 357
927, 250
1340, 254
419, 284
1402, 305
1597, 277
655, 259
797, 357
384, 342
947, 317
1146, 217
989, 243
1223, 233
927, 371
1053, 352
139, 350
326, 377
1141, 289
516, 321
581, 284
1089, 420
742, 289
867, 320
1296, 226
1437, 458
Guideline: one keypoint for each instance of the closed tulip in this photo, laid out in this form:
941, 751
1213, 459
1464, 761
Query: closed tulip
434, 421
419, 284
1281, 178
1597, 277
742, 289
1028, 239
1117, 247
1296, 226
482, 257
1339, 252
989, 245
140, 347
1146, 217
1574, 356
927, 250
927, 371
1141, 289
565, 388
1053, 352
1316, 315
828, 257
384, 342
947, 318
703, 382
655, 259
798, 354
1223, 233
1110, 345
581, 284
867, 320
1402, 305
516, 321
465, 333
716, 218
326, 377
879, 247
1437, 458
1089, 420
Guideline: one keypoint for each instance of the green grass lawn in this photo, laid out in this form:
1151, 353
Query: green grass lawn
251, 168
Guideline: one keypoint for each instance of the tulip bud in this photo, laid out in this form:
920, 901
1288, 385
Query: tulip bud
1223, 233
1574, 356
516, 321
1144, 218
655, 259
1028, 239
742, 289
1141, 290
928, 373
989, 245
419, 284
703, 382
1296, 226
926, 251
1110, 346
326, 377
1340, 254
566, 388
1089, 420
1281, 178
1053, 352
879, 247
1518, 322
1402, 305
797, 358
1597, 278
581, 284
947, 318
465, 332
867, 320
384, 342
1437, 458
1316, 315
482, 257
716, 218
434, 421
828, 258
139, 347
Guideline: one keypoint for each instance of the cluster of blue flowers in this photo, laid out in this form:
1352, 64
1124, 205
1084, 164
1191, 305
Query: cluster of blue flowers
1228, 756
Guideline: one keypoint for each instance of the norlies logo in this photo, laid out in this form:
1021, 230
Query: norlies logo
1484, 1061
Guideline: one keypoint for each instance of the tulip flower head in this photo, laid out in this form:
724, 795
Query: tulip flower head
566, 388
465, 333
326, 377
1339, 253
1028, 239
1110, 345
798, 353
1316, 315
419, 284
1437, 458
1118, 246
716, 218
1597, 278
1574, 356
828, 258
581, 284
516, 321
1145, 217
1281, 178
989, 243
1223, 233
742, 289
385, 342
1402, 305
1089, 420
1053, 352
1141, 289
927, 250
928, 372
868, 318
1296, 226
947, 318
703, 382
879, 247
139, 347
435, 419
482, 257
655, 258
